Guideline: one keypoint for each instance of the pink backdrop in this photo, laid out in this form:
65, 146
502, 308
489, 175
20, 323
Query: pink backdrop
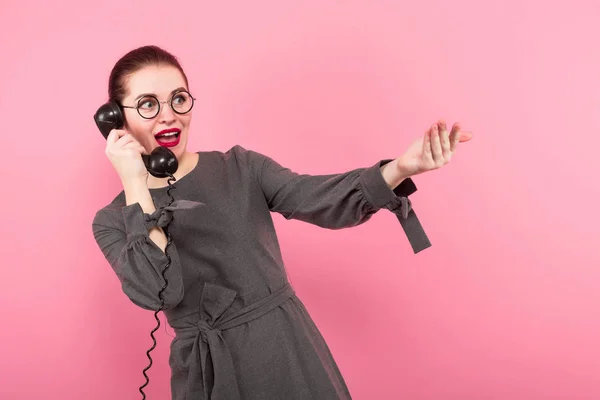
505, 305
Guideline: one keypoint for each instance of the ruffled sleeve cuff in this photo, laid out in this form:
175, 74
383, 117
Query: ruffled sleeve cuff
138, 223
379, 195
133, 216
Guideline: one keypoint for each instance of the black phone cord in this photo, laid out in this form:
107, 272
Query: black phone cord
162, 302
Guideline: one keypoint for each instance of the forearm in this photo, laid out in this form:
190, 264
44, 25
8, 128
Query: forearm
392, 175
137, 192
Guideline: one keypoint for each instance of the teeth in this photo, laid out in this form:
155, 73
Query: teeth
168, 134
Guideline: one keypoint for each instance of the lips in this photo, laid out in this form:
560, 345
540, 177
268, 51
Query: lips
168, 137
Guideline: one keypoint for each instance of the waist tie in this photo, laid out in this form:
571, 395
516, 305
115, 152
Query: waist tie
209, 357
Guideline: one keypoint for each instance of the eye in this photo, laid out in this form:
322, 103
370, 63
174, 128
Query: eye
180, 98
147, 103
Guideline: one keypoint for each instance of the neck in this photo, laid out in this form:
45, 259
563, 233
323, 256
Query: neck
187, 161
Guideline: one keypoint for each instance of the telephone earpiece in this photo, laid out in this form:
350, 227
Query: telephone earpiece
160, 163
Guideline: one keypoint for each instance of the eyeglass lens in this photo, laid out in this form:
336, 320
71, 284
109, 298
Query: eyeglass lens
149, 106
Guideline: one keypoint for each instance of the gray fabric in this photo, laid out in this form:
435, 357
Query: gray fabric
241, 332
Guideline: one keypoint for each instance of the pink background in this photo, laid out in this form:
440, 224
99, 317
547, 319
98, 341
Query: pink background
506, 303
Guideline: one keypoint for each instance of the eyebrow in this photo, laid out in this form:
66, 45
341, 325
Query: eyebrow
152, 94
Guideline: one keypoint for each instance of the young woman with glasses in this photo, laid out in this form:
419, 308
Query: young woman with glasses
241, 332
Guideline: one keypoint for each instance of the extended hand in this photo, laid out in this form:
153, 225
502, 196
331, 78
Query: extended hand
431, 151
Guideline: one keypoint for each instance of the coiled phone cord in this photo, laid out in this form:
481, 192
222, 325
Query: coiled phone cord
162, 302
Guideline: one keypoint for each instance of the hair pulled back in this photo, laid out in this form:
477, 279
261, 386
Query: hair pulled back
133, 61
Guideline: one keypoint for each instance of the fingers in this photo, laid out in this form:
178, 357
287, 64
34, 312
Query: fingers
119, 139
439, 145
442, 125
436, 145
127, 141
465, 136
123, 138
445, 140
135, 146
454, 137
126, 138
113, 136
427, 145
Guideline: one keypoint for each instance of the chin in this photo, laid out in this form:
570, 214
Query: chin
178, 150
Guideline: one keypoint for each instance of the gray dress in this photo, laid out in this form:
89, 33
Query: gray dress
241, 332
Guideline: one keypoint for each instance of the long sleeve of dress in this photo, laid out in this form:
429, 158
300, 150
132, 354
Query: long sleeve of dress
336, 201
123, 237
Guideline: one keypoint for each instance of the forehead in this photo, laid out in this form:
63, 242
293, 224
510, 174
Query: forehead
160, 80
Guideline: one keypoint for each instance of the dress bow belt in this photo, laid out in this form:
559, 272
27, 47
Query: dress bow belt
203, 347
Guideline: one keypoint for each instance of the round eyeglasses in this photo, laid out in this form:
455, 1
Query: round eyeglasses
148, 106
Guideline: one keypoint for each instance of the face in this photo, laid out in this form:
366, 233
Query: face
161, 82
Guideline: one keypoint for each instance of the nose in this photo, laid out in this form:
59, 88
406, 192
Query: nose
166, 114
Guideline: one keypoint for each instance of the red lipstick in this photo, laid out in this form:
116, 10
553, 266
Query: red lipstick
168, 137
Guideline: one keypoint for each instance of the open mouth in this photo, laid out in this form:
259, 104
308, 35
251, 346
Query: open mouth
168, 137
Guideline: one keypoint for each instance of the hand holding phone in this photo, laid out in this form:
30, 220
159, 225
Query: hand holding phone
161, 163
125, 154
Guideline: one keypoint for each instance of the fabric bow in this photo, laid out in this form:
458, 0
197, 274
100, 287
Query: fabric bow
201, 346
400, 206
164, 215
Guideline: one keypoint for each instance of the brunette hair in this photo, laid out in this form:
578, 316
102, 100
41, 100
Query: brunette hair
134, 60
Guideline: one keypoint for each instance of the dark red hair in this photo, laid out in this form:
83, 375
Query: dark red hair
133, 61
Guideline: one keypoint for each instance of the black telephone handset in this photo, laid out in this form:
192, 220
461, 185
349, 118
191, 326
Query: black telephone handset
161, 163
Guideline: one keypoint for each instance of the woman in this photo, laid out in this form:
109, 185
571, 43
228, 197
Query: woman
241, 333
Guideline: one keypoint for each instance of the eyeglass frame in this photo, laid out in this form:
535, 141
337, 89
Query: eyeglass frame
170, 101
